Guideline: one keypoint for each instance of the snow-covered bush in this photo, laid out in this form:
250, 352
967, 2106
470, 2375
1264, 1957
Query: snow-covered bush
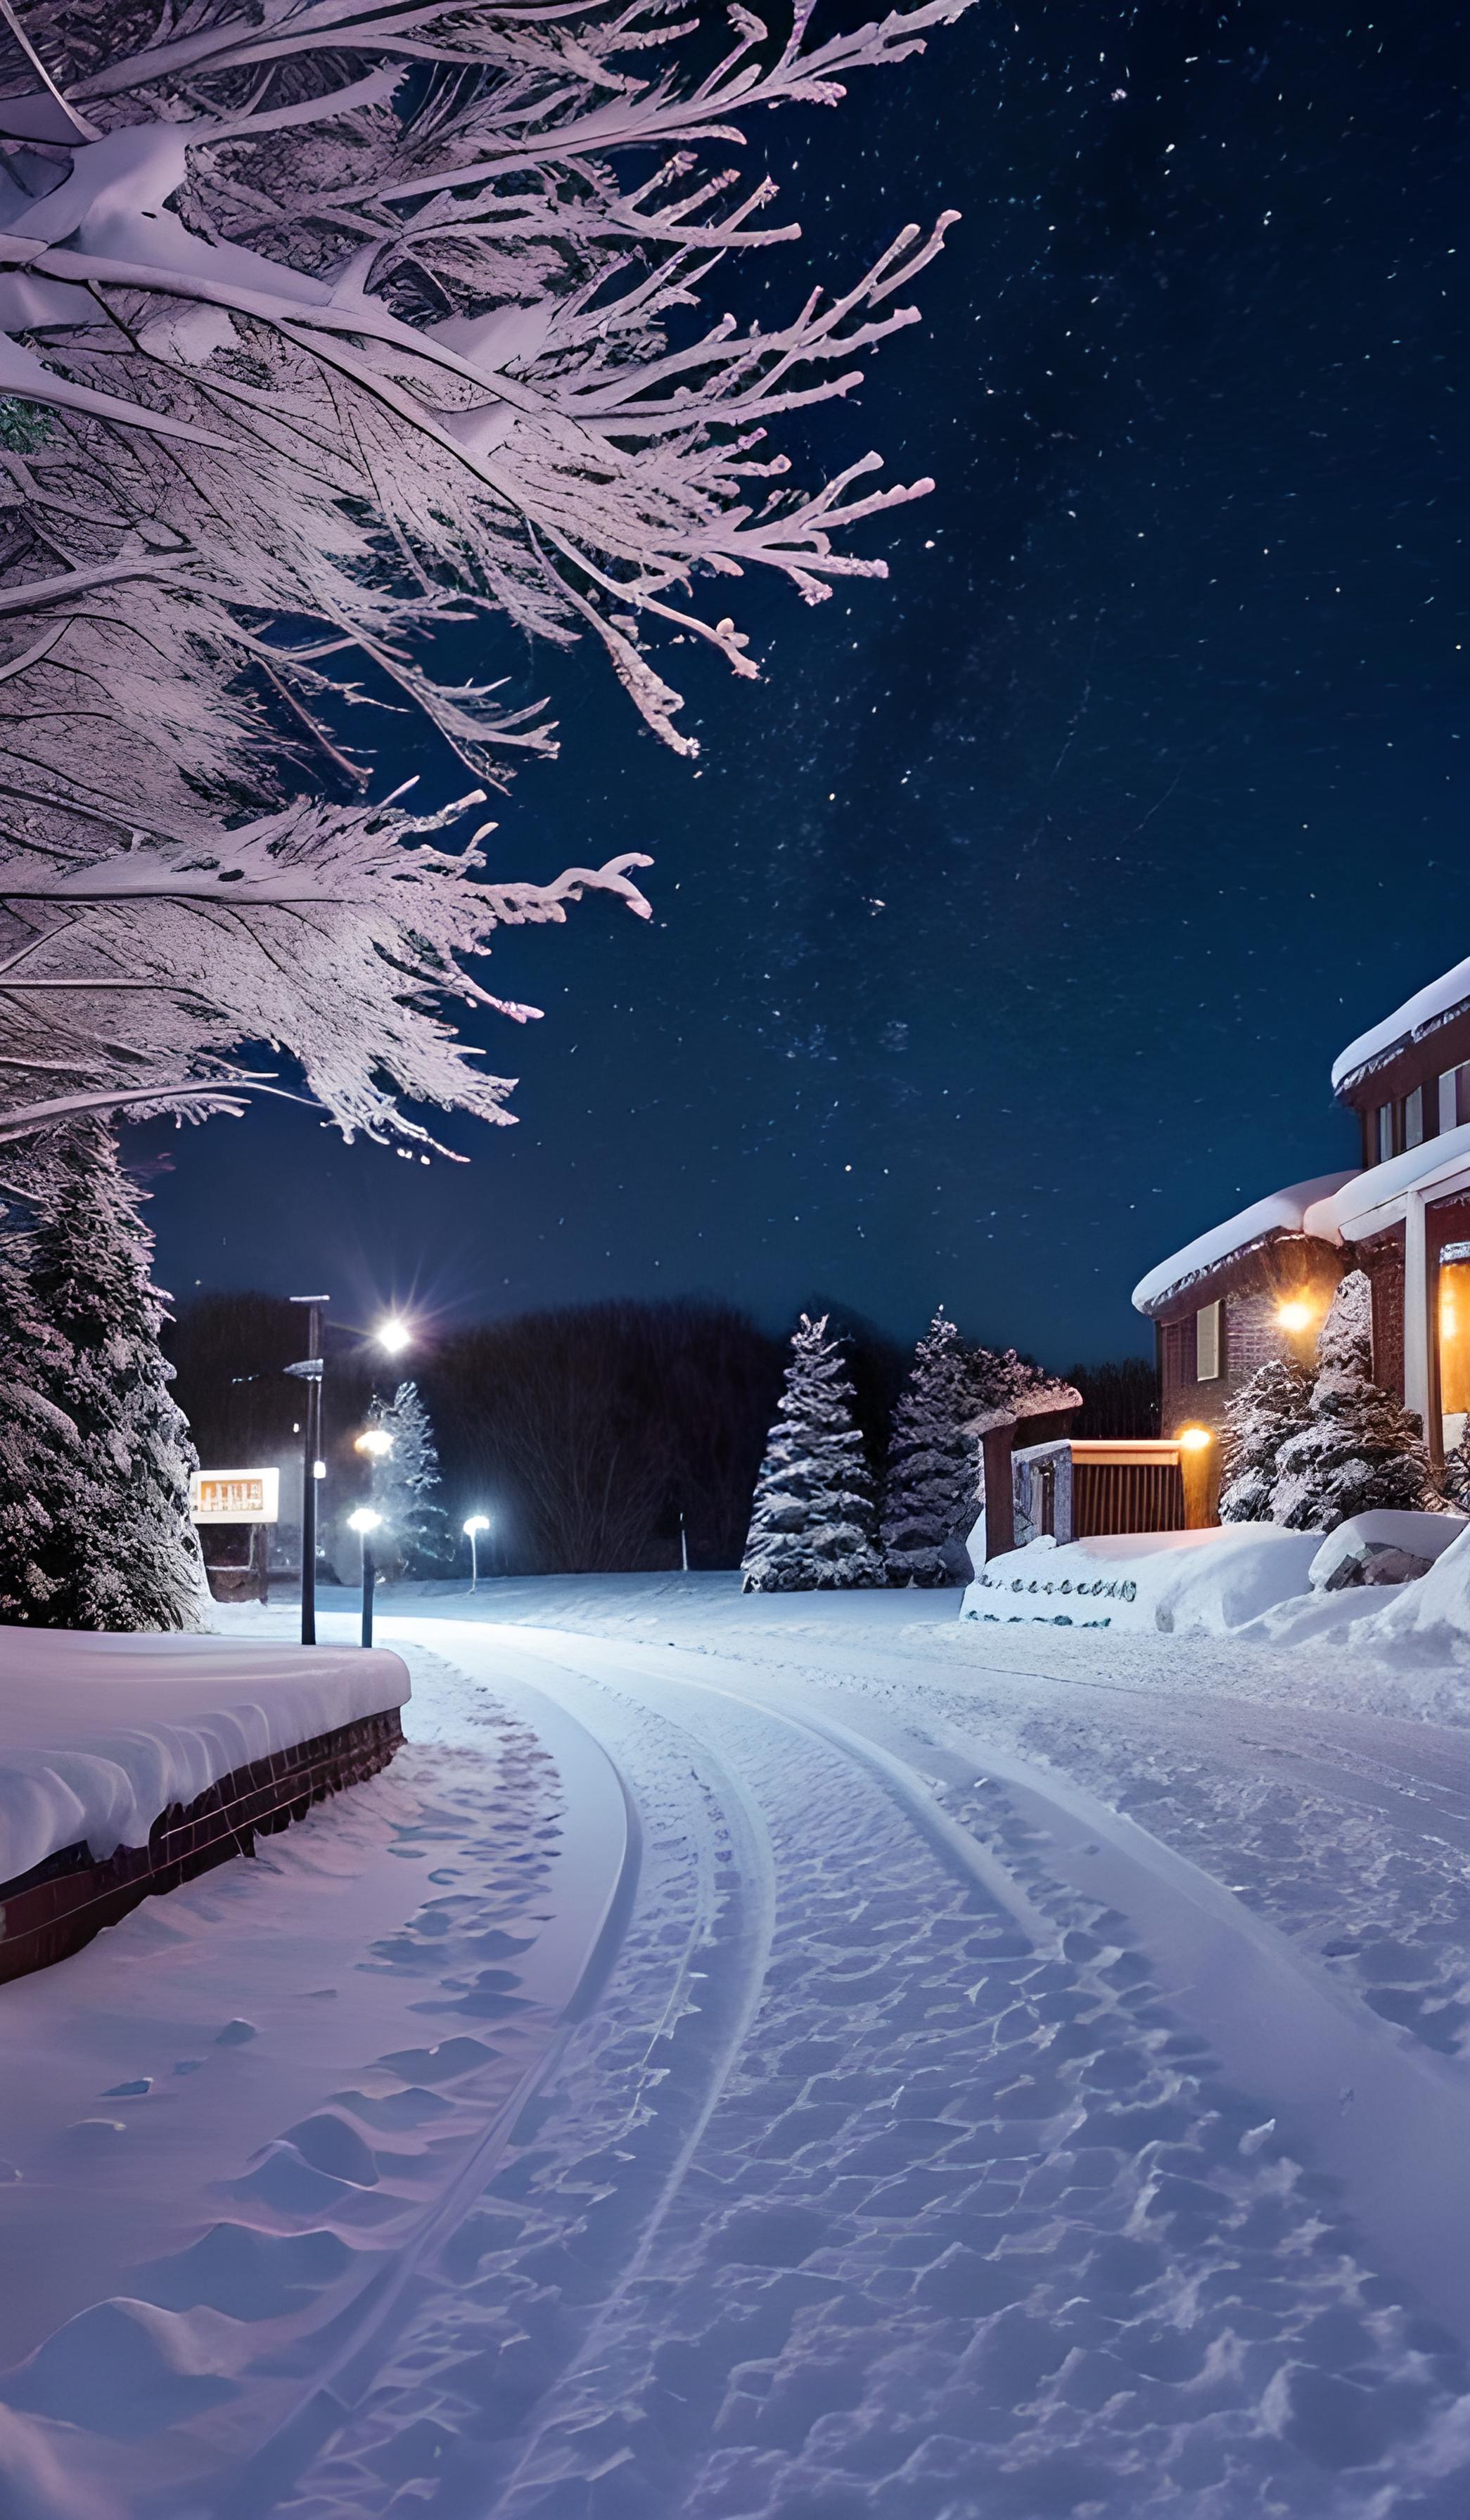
932, 1473
406, 1484
94, 1472
814, 1520
1454, 1479
1264, 1415
1359, 1450
335, 339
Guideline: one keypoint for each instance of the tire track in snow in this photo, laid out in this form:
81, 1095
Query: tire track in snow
741, 1870
1350, 2091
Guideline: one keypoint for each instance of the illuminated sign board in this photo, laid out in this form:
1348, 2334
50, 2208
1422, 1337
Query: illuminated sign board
235, 1495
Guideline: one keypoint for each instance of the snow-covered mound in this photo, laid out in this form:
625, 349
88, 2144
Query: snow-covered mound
1385, 1547
1199, 1582
1430, 1618
100, 1733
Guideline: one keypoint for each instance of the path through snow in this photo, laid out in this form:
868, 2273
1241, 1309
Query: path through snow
891, 2167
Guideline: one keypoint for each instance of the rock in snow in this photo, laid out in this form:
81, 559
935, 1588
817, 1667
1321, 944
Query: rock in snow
1383, 1547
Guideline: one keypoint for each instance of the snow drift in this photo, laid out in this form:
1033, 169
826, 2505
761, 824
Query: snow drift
1193, 1582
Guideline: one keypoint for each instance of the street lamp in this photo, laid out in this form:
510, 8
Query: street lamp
477, 1524
393, 1336
364, 1521
375, 1441
309, 1372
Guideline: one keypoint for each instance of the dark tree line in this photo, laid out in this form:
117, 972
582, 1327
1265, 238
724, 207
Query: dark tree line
583, 1432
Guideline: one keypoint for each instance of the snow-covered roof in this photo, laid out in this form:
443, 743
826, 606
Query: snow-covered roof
1422, 1014
1366, 1202
1283, 1212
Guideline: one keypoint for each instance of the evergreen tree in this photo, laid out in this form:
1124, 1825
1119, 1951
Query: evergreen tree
118, 1550
813, 1521
1358, 1448
1270, 1408
933, 1465
40, 1461
405, 1481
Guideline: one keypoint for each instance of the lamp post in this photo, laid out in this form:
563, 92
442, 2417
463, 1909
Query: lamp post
364, 1521
478, 1522
309, 1372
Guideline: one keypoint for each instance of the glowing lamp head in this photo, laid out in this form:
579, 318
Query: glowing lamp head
393, 1336
1295, 1316
362, 1520
476, 1523
1194, 1439
375, 1441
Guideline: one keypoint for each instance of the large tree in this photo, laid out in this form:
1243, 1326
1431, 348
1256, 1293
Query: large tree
406, 1484
932, 1477
94, 1501
813, 1519
328, 329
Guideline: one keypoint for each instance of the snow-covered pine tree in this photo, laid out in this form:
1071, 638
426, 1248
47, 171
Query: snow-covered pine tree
1267, 1412
121, 1551
1358, 1448
405, 1482
931, 1471
812, 1521
40, 1458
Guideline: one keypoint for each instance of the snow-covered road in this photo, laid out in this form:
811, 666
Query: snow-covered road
933, 2076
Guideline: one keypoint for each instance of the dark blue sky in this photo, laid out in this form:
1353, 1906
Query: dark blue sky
1007, 928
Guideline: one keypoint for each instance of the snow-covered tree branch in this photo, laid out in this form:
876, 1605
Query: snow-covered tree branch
329, 332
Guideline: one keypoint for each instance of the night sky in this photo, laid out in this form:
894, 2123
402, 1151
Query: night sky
1006, 929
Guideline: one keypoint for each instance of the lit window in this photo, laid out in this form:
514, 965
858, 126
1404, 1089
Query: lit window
1208, 1343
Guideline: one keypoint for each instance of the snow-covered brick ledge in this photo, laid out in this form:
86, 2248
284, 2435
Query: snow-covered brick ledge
100, 1734
1199, 1582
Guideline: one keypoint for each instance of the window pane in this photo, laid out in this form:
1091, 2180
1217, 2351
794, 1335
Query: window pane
1454, 1330
1385, 1132
1413, 1118
1207, 1344
1462, 1094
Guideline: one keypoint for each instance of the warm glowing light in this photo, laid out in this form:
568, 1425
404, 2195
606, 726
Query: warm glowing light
476, 1522
393, 1336
375, 1441
364, 1519
1295, 1316
1193, 1439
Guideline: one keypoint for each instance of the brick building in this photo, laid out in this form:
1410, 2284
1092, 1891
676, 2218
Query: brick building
1259, 1284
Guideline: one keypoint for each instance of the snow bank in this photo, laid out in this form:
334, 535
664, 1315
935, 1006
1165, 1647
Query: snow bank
1430, 1618
1284, 1211
1422, 1014
1202, 1582
100, 1733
